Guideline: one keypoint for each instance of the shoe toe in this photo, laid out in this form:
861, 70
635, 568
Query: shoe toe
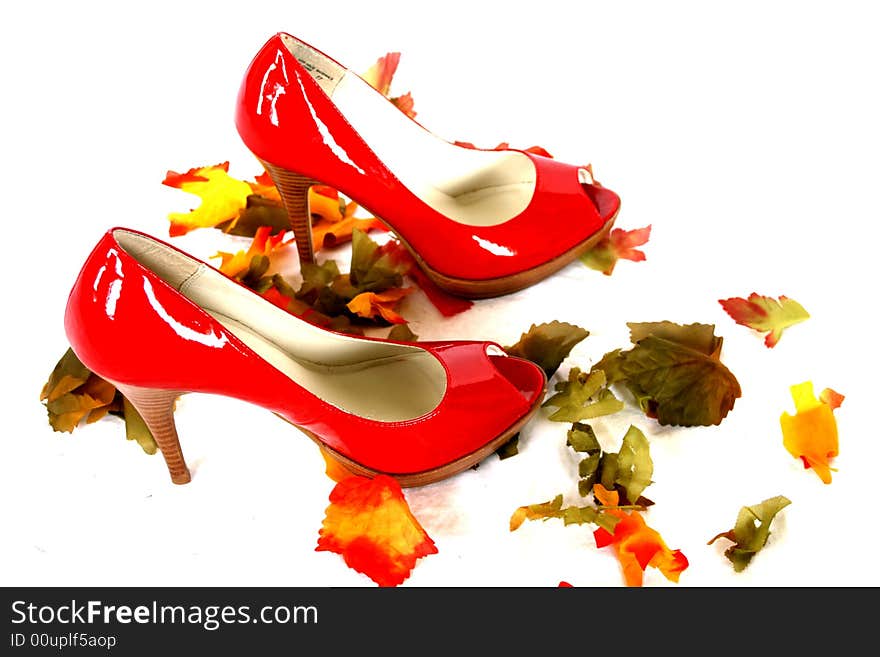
607, 203
524, 375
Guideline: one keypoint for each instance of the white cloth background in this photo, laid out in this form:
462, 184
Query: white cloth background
745, 134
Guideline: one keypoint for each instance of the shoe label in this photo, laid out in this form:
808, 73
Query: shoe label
321, 76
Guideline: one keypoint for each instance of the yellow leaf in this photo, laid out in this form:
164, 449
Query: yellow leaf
222, 196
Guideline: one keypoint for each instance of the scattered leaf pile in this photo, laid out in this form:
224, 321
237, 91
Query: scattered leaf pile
616, 482
74, 394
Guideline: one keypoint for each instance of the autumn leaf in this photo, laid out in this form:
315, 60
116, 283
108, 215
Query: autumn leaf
811, 433
831, 397
380, 75
548, 344
619, 244
402, 333
263, 186
675, 373
369, 523
627, 471
316, 277
636, 545
334, 468
222, 197
503, 146
405, 104
135, 427
326, 235
541, 511
68, 374
74, 394
250, 266
633, 467
570, 515
373, 267
371, 305
582, 396
765, 314
89, 401
259, 211
334, 220
752, 529
508, 449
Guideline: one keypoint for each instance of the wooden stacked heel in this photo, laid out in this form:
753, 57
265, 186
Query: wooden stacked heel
156, 407
294, 190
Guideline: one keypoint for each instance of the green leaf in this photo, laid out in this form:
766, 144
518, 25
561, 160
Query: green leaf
136, 429
700, 337
253, 277
548, 344
751, 531
628, 471
571, 515
68, 374
634, 464
281, 284
543, 510
74, 393
402, 333
582, 438
372, 268
316, 278
675, 373
508, 449
582, 397
259, 211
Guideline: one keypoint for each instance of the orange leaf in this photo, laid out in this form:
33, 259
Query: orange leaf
405, 104
763, 313
636, 545
263, 243
371, 304
831, 397
326, 235
380, 74
811, 433
618, 244
263, 186
503, 146
222, 196
369, 523
334, 468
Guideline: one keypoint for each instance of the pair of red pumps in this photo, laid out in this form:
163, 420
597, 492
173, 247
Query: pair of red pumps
157, 322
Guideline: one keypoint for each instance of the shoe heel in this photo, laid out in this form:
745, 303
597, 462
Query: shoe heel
156, 407
294, 190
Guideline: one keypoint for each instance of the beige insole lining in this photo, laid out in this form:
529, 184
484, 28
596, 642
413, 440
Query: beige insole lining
383, 381
469, 186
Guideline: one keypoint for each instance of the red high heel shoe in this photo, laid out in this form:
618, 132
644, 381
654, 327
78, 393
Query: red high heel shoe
158, 323
480, 223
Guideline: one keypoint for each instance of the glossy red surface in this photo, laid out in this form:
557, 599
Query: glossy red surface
286, 119
129, 326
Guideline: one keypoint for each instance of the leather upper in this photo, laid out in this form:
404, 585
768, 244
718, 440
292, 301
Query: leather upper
129, 326
286, 119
